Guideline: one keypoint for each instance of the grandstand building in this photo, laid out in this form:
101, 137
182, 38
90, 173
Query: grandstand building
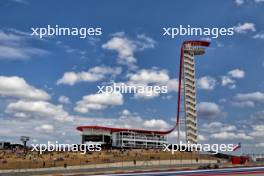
137, 138
122, 137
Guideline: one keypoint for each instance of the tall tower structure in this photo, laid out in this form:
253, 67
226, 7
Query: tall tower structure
190, 91
187, 84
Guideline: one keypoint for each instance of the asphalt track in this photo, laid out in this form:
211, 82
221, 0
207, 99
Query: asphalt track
249, 171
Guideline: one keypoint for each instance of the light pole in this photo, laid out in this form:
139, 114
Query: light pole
24, 140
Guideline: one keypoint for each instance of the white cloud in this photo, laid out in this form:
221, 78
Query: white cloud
144, 42
216, 127
239, 2
21, 1
173, 136
230, 136
243, 104
222, 100
130, 120
126, 112
63, 99
14, 46
206, 83
46, 128
98, 101
15, 53
37, 109
126, 47
156, 124
259, 1
71, 50
150, 76
258, 131
92, 75
258, 117
17, 87
259, 36
244, 28
40, 129
229, 79
237, 73
208, 110
222, 131
260, 144
248, 99
172, 85
202, 137
9, 38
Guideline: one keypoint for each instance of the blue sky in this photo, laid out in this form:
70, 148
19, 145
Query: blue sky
230, 92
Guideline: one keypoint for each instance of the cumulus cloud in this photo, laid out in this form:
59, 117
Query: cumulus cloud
223, 131
202, 137
258, 117
46, 128
152, 77
126, 112
239, 2
173, 136
229, 80
40, 129
129, 119
243, 104
259, 36
64, 100
208, 110
69, 49
248, 99
99, 101
156, 124
245, 27
216, 127
15, 46
260, 144
206, 83
37, 109
258, 130
126, 47
237, 73
230, 136
172, 85
93, 74
17, 87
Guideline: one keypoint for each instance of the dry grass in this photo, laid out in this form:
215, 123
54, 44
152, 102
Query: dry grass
16, 160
